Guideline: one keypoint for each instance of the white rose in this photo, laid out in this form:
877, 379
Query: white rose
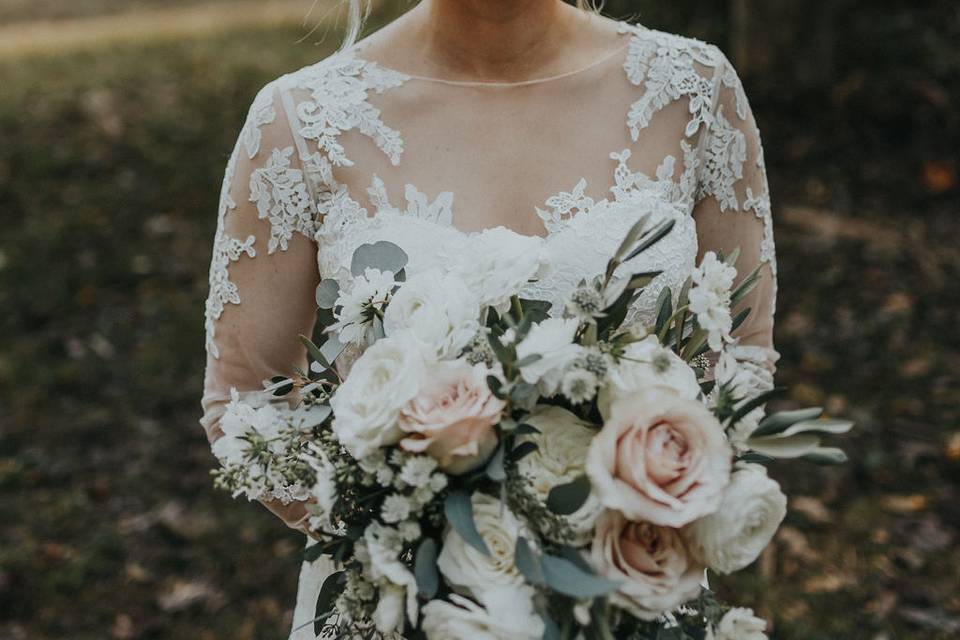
648, 363
739, 624
560, 457
440, 310
552, 340
471, 572
367, 405
500, 265
751, 509
507, 614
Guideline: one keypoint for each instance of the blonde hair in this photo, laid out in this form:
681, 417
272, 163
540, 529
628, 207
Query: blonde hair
359, 10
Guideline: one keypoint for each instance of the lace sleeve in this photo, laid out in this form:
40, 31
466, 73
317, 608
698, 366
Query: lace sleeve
263, 271
732, 212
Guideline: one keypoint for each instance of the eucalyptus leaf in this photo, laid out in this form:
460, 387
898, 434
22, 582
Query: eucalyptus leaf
332, 348
458, 509
425, 569
328, 291
525, 429
527, 562
495, 470
382, 255
568, 498
522, 450
565, 577
551, 631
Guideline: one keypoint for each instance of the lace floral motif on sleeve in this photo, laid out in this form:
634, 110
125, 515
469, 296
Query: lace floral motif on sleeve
281, 196
225, 250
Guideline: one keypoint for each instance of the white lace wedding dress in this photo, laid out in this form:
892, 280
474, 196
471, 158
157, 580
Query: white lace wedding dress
348, 151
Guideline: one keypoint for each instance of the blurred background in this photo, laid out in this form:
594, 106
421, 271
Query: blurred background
116, 121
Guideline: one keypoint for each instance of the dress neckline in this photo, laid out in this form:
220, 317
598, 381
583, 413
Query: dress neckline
355, 52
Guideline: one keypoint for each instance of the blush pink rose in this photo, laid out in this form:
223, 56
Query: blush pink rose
453, 416
656, 571
659, 458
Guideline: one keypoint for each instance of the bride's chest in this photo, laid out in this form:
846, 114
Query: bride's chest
576, 246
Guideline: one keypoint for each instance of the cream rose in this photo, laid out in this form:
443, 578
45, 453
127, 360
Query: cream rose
562, 446
739, 624
440, 310
471, 572
367, 405
653, 563
453, 416
507, 614
659, 458
750, 512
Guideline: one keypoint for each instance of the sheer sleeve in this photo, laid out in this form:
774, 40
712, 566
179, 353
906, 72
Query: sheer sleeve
263, 272
732, 212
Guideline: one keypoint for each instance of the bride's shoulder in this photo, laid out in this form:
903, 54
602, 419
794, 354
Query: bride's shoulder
651, 47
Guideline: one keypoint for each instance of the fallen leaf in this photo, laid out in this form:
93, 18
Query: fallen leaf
939, 176
828, 583
953, 446
905, 504
812, 508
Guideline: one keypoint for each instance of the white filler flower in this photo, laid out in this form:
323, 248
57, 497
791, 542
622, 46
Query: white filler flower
751, 510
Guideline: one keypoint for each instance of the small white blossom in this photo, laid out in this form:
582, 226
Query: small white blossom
438, 482
384, 475
395, 508
409, 530
416, 471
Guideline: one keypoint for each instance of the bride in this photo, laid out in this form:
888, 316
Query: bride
461, 122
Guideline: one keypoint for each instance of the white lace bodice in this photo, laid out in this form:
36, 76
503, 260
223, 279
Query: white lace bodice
348, 151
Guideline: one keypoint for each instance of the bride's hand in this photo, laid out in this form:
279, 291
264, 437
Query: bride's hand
293, 514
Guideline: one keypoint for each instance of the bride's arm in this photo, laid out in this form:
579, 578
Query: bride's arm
733, 212
263, 271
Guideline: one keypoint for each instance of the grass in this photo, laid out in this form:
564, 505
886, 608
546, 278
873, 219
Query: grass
110, 168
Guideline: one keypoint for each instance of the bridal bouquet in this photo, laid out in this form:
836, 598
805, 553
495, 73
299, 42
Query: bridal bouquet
491, 468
